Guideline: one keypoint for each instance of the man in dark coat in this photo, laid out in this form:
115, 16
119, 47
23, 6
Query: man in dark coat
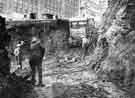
36, 58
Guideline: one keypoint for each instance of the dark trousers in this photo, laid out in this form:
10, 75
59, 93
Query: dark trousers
37, 69
36, 66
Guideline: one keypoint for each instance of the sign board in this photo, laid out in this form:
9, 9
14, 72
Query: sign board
78, 32
78, 28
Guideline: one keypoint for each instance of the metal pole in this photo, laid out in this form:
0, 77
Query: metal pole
79, 7
32, 5
22, 6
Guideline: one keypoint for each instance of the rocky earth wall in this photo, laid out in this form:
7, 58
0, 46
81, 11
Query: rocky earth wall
119, 29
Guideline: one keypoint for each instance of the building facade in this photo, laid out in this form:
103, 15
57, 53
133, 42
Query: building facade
92, 8
53, 7
71, 8
61, 8
12, 8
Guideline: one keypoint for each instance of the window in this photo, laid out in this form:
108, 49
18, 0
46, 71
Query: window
1, 7
45, 2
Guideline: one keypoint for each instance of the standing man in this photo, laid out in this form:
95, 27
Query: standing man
36, 58
18, 53
85, 42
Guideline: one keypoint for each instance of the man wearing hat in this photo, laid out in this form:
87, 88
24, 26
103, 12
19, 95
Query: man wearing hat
18, 53
85, 42
36, 58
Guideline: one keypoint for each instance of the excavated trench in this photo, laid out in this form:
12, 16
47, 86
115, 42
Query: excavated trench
107, 73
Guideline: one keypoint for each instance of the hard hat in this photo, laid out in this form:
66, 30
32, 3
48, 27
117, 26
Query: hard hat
18, 45
34, 39
22, 42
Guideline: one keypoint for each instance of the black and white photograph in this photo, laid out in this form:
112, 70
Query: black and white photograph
67, 48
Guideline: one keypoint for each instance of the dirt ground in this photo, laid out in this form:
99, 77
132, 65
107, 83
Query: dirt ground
70, 78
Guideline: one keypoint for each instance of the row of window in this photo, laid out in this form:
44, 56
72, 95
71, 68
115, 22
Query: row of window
70, 12
26, 7
74, 3
52, 6
1, 7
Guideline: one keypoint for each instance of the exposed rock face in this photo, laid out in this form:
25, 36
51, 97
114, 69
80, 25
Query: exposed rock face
119, 28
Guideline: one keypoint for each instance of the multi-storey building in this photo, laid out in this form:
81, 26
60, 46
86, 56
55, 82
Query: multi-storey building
61, 8
92, 8
53, 7
25, 6
71, 8
18, 7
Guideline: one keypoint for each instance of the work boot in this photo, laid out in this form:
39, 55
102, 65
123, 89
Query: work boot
40, 85
33, 82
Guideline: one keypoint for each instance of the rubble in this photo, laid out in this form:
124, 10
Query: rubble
14, 87
81, 90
